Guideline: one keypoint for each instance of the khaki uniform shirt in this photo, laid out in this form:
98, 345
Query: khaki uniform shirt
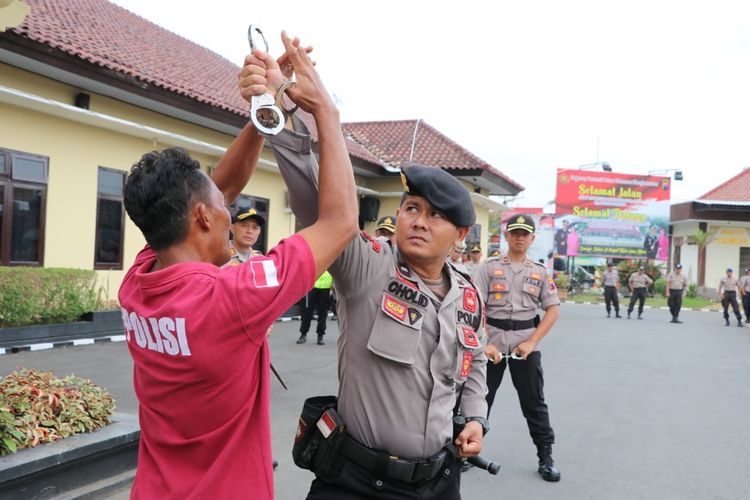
513, 291
640, 280
744, 283
610, 278
676, 281
471, 267
402, 352
238, 257
728, 284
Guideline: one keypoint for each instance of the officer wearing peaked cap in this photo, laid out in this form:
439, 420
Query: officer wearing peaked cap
247, 225
676, 285
411, 336
514, 288
386, 228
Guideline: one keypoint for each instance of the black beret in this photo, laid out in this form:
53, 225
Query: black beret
521, 221
678, 266
442, 190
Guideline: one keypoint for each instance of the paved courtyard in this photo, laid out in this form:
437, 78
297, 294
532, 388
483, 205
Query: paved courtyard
641, 409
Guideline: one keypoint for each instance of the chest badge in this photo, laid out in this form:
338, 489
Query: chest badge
414, 315
466, 364
470, 337
498, 272
394, 308
470, 300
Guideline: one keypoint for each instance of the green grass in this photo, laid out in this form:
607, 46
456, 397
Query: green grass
656, 301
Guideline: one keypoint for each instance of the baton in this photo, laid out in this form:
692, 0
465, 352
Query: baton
278, 377
482, 463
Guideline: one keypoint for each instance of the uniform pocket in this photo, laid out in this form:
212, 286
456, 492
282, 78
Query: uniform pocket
396, 332
531, 295
499, 292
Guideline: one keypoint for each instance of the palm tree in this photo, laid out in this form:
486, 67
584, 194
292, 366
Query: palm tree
702, 239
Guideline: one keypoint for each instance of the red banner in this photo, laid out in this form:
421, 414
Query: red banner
612, 215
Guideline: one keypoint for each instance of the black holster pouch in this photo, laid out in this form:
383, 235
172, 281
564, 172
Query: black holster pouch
320, 432
536, 321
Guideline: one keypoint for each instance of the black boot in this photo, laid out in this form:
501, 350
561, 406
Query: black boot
608, 314
302, 338
320, 339
677, 320
547, 468
674, 319
617, 314
727, 321
739, 322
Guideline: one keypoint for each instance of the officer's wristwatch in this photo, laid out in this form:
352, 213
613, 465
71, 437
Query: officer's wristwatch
483, 421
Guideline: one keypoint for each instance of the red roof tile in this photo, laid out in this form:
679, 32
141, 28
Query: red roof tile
112, 37
392, 142
735, 189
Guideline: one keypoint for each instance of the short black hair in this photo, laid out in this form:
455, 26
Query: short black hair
159, 192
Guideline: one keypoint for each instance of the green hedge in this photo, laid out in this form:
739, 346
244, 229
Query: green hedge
35, 295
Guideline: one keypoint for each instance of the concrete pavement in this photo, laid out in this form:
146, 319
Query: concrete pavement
641, 409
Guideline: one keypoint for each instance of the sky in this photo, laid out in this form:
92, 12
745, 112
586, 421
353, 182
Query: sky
528, 87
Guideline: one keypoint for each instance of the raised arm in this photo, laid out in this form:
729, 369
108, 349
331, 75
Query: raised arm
336, 224
238, 163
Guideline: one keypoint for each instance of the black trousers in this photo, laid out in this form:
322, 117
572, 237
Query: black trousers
746, 305
317, 301
640, 295
528, 379
675, 302
731, 298
357, 483
611, 299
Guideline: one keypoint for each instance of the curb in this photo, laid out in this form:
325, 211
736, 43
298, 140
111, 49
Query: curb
664, 308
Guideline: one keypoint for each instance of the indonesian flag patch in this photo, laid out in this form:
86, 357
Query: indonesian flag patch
264, 273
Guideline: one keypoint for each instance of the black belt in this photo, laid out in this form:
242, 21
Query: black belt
513, 324
675, 290
380, 462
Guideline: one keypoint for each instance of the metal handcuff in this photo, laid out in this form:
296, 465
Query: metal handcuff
265, 115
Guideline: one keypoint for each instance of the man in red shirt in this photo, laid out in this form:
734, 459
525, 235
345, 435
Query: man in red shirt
196, 331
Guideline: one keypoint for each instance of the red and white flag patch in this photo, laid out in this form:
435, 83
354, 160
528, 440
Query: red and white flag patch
470, 300
264, 273
326, 424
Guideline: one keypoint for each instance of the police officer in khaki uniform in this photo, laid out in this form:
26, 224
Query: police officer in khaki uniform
386, 228
475, 259
611, 281
728, 294
410, 338
638, 283
744, 286
247, 224
514, 288
676, 285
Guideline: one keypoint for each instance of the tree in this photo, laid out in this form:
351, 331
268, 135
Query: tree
702, 239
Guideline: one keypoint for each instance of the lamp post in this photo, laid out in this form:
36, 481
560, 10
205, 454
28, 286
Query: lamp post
605, 166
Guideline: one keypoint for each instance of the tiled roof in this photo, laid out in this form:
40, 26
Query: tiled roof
112, 37
116, 39
735, 189
392, 143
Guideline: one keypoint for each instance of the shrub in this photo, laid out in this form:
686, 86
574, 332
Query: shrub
34, 295
36, 407
562, 281
660, 287
692, 291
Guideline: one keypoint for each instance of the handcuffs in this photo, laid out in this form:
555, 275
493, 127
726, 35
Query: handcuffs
265, 115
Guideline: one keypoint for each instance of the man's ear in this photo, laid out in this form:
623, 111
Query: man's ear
201, 216
461, 234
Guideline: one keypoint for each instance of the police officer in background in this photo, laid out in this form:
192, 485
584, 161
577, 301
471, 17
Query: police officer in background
611, 282
514, 288
386, 228
638, 283
247, 224
728, 294
454, 257
410, 337
475, 258
676, 285
744, 286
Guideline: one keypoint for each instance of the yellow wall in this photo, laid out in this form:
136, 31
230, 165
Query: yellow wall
75, 152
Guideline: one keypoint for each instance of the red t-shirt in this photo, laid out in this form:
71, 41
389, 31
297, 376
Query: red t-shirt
197, 335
